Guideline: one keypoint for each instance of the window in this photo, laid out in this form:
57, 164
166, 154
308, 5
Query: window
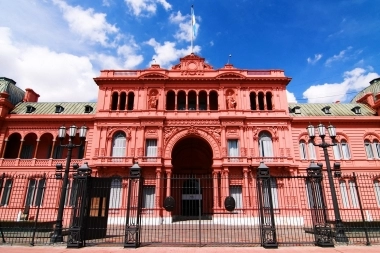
312, 153
273, 187
326, 110
376, 186
347, 192
303, 151
6, 192
74, 192
149, 194
236, 193
341, 150
59, 109
307, 152
265, 145
233, 150
314, 195
119, 146
372, 149
116, 193
35, 193
151, 150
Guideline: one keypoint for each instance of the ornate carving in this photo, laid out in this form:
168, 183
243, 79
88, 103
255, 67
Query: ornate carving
153, 100
195, 122
215, 132
231, 101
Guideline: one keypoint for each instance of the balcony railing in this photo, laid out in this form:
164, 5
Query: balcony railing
36, 162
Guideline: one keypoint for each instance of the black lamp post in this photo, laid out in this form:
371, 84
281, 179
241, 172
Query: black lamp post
340, 236
57, 235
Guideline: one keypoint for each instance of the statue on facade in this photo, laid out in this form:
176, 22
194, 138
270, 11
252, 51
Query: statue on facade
231, 102
152, 101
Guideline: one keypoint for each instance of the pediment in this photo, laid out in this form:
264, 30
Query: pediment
230, 76
154, 76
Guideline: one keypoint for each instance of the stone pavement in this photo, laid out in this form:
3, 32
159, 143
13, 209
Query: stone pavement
63, 249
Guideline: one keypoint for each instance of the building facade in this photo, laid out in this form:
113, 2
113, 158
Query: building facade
191, 121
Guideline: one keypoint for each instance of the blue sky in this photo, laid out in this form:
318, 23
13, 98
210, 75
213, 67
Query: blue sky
330, 49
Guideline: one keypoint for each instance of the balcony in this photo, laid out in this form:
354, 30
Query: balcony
36, 162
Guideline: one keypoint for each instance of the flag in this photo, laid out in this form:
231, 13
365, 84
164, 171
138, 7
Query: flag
193, 26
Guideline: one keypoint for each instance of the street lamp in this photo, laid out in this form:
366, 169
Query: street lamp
57, 235
340, 236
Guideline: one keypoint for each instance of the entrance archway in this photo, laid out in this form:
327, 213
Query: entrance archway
192, 155
192, 182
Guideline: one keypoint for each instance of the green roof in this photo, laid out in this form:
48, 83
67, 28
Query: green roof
69, 108
374, 88
336, 109
16, 95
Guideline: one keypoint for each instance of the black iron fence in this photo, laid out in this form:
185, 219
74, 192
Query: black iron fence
235, 209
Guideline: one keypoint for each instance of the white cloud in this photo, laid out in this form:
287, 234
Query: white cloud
354, 80
185, 30
291, 97
317, 57
88, 24
146, 7
342, 56
166, 54
55, 76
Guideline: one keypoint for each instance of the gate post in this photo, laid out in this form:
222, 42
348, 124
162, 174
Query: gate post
267, 224
76, 236
132, 224
322, 230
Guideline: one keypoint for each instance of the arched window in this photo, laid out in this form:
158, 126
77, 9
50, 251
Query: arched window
341, 150
170, 100
181, 100
131, 100
307, 151
303, 150
123, 98
261, 101
265, 144
269, 100
119, 143
116, 193
192, 100
213, 100
202, 100
372, 149
252, 99
114, 101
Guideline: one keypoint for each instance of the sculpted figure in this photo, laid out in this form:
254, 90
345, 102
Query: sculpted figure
231, 102
152, 101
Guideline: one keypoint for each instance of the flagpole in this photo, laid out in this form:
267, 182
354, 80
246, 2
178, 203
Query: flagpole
191, 26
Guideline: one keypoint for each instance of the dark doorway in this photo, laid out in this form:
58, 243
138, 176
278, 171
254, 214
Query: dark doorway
191, 198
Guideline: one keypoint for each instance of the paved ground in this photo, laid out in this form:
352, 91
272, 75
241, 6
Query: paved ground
62, 249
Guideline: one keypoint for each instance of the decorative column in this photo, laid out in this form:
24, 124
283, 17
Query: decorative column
52, 150
225, 184
197, 102
175, 101
216, 187
158, 192
21, 145
208, 101
35, 151
247, 204
5, 148
168, 182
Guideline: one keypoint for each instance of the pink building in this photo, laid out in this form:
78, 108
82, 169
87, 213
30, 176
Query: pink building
199, 134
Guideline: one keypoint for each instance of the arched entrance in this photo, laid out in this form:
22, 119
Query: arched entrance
191, 156
192, 180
